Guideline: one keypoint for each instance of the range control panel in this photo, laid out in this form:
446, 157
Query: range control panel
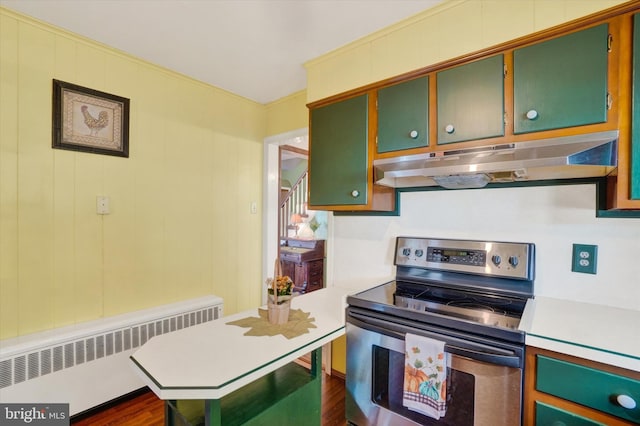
503, 259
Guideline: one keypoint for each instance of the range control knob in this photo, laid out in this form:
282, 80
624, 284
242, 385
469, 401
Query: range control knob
406, 252
513, 261
419, 253
496, 259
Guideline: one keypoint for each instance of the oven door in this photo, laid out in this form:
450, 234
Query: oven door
484, 382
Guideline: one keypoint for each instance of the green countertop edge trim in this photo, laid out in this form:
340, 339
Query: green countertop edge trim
230, 381
600, 207
584, 346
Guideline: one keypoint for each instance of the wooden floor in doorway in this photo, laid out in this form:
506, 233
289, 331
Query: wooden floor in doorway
146, 409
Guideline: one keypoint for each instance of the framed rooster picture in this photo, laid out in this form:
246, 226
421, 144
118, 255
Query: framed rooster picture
89, 120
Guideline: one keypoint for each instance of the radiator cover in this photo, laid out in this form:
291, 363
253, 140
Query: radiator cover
88, 364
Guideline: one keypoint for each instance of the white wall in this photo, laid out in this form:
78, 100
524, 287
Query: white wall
553, 218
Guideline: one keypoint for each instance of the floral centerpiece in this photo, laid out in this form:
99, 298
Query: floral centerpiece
279, 291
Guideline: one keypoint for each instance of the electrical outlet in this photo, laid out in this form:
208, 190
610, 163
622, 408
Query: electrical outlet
585, 258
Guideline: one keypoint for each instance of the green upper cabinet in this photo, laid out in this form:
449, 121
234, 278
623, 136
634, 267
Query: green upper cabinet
635, 105
471, 101
403, 115
338, 148
561, 82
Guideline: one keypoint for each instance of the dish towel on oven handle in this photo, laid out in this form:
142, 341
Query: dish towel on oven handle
425, 376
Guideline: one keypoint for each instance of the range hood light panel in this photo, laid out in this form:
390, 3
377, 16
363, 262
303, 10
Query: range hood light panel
479, 180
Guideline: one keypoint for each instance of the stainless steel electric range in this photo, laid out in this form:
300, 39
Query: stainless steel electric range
469, 295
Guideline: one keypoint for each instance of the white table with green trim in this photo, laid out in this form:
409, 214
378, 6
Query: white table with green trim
213, 373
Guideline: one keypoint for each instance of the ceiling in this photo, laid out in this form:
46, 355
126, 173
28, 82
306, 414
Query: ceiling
253, 48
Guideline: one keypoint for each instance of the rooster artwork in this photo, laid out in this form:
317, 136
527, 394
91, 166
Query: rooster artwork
94, 124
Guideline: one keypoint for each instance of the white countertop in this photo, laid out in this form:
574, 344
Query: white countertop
600, 333
210, 360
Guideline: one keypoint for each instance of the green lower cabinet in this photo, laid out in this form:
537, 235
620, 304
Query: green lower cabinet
548, 415
561, 82
587, 386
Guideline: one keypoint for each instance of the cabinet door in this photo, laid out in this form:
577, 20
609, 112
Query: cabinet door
289, 270
338, 153
315, 269
587, 386
547, 415
471, 101
403, 115
634, 180
561, 82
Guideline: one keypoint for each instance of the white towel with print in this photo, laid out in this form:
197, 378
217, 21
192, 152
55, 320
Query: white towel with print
425, 376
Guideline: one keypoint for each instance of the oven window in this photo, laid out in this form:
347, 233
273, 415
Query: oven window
388, 378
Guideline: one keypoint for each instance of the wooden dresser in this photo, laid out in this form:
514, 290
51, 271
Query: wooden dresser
303, 261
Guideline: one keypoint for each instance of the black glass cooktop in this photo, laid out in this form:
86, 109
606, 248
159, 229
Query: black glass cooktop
493, 310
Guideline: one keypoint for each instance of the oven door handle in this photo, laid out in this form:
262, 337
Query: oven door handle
486, 353
492, 358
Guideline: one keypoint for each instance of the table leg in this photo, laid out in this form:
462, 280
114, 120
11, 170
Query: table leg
168, 412
212, 412
316, 362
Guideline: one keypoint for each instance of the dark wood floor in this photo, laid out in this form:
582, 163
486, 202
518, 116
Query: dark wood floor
147, 410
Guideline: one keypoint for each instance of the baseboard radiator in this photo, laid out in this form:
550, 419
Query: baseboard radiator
87, 365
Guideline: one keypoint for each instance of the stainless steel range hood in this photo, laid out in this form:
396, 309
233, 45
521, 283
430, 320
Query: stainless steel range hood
579, 156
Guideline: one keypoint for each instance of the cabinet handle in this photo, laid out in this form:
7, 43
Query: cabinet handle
449, 128
355, 193
625, 401
413, 134
532, 114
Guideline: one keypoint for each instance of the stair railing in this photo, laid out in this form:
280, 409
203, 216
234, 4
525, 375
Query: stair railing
293, 203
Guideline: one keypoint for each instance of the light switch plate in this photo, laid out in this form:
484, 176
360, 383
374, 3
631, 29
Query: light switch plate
102, 204
585, 258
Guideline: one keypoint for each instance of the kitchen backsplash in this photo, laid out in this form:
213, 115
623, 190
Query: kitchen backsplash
551, 217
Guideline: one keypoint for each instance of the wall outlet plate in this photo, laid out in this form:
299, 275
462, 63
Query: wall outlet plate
585, 258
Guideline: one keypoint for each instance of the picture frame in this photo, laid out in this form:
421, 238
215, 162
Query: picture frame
88, 120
